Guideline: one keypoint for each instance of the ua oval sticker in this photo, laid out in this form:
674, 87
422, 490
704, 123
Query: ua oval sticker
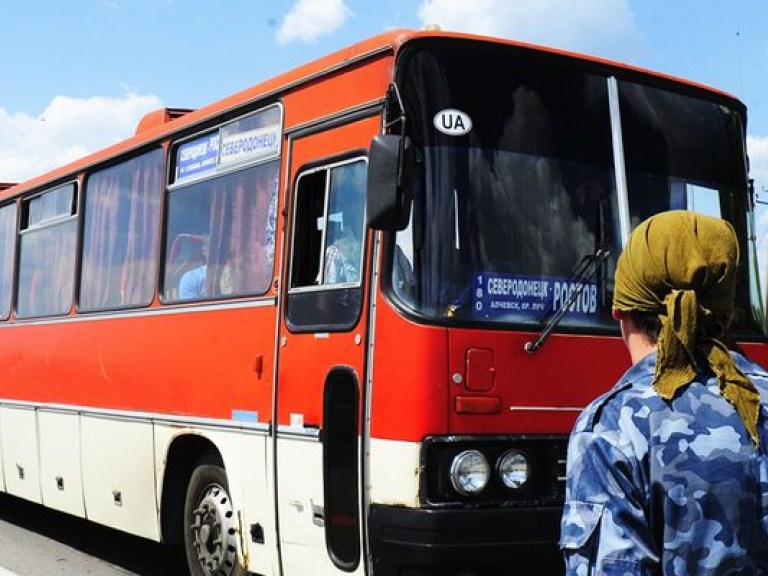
452, 122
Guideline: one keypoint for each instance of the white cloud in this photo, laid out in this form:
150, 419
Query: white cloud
67, 129
310, 19
604, 27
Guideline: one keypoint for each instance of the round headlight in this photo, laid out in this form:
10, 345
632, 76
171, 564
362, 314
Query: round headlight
513, 469
470, 472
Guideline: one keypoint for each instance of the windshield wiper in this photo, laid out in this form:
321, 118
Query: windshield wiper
587, 268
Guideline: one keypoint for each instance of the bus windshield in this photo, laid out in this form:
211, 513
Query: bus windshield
518, 192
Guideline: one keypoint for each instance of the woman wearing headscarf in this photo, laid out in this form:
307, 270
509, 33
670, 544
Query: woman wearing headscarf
668, 471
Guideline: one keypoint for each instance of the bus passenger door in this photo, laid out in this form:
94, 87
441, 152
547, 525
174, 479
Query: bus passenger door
321, 358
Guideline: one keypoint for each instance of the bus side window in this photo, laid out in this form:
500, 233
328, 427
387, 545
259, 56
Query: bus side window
329, 226
122, 217
346, 217
327, 254
47, 253
220, 236
7, 250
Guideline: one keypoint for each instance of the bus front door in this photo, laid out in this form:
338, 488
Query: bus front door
321, 355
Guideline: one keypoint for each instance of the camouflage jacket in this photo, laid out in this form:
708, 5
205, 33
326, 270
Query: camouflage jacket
666, 487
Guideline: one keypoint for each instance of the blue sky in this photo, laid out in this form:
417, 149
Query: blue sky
77, 75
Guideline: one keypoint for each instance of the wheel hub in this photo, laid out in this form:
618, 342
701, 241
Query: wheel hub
214, 532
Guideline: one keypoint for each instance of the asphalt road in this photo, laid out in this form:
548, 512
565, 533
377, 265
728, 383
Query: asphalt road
35, 541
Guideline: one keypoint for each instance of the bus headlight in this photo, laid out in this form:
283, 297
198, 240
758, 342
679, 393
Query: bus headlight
470, 472
513, 469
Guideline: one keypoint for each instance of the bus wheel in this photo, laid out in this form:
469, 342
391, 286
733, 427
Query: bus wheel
210, 530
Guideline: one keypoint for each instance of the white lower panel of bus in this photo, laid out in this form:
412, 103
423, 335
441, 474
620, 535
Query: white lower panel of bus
109, 467
20, 458
394, 477
394, 472
60, 478
301, 508
116, 455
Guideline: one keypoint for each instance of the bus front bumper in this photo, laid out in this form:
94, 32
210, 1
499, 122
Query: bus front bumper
474, 542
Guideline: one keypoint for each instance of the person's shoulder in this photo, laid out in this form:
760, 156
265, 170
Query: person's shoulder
633, 390
333, 251
749, 367
756, 373
192, 277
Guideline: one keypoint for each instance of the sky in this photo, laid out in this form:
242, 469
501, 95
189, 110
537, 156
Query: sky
76, 76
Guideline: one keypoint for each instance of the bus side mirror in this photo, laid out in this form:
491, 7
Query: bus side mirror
391, 166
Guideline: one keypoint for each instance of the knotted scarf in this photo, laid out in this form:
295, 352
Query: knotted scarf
682, 266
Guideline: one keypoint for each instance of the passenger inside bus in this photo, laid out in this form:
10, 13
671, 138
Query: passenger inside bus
188, 259
192, 284
342, 253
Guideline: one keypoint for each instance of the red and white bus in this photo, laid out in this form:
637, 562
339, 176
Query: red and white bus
342, 322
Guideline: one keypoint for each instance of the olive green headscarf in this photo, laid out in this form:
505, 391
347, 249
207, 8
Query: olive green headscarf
682, 266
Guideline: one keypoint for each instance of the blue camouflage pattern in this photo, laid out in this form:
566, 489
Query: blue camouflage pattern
667, 487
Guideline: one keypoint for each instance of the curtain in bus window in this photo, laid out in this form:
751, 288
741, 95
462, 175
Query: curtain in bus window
7, 236
221, 236
241, 246
138, 275
122, 210
47, 270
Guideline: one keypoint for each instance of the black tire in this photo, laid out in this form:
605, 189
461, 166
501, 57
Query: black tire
210, 525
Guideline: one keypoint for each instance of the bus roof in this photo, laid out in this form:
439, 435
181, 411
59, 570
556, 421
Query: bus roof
160, 123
